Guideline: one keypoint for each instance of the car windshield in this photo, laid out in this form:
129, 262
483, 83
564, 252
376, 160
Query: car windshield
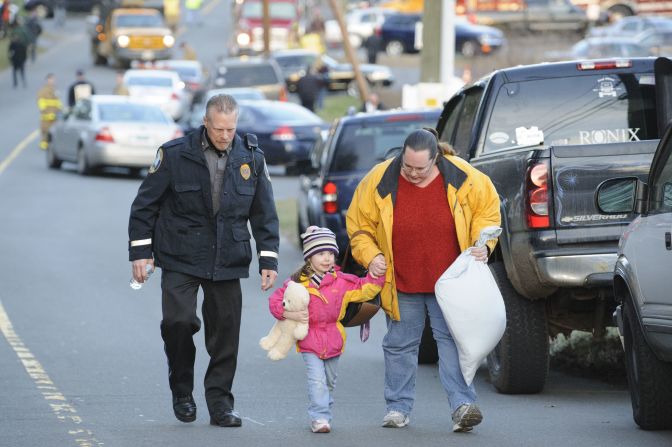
580, 110
277, 10
288, 114
139, 21
299, 60
363, 144
248, 75
149, 81
131, 113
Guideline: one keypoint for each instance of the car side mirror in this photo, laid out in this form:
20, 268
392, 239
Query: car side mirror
621, 195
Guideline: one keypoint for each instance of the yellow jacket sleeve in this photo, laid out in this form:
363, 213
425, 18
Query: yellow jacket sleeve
484, 201
362, 220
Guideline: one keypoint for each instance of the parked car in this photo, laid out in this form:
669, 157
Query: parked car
548, 135
402, 33
631, 26
360, 23
160, 87
641, 285
341, 76
110, 130
260, 73
659, 42
601, 47
190, 72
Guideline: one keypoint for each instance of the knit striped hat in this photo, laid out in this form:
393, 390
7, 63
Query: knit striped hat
317, 239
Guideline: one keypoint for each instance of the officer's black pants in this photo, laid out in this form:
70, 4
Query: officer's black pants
221, 316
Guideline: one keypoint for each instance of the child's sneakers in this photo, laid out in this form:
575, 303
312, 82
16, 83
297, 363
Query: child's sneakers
320, 426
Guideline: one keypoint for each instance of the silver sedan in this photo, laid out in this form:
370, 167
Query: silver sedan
106, 130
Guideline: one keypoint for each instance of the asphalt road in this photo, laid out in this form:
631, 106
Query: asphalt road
81, 358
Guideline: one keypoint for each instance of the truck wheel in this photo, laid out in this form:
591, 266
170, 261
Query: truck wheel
428, 352
648, 377
617, 12
394, 48
519, 363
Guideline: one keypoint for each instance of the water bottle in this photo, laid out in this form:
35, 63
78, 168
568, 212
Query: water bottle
138, 285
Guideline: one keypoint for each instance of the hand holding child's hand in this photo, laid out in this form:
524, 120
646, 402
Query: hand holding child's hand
297, 315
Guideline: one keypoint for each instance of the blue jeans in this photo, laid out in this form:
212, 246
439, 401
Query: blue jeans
401, 345
321, 382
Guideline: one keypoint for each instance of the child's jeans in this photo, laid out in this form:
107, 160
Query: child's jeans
321, 382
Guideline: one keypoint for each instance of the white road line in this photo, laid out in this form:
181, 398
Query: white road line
58, 403
17, 150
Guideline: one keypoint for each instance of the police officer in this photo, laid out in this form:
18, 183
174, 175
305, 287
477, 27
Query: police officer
190, 218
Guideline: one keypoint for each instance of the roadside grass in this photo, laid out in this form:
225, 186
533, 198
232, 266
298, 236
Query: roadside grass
336, 106
288, 220
4, 57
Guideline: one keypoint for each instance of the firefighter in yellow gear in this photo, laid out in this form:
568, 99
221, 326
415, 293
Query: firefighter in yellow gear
49, 104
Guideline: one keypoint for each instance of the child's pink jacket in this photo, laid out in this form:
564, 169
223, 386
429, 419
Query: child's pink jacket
326, 335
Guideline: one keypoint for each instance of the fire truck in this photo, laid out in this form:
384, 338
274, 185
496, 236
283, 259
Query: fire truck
285, 27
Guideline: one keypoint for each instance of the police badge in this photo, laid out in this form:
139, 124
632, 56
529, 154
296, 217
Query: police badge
157, 161
245, 171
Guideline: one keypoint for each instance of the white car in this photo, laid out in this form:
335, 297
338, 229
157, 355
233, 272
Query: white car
161, 87
360, 23
110, 130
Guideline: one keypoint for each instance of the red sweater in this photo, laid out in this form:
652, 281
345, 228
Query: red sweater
424, 241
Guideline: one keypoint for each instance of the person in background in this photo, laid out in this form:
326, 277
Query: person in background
308, 88
59, 13
422, 208
330, 292
188, 52
119, 86
34, 30
80, 89
17, 56
190, 217
50, 106
193, 8
373, 104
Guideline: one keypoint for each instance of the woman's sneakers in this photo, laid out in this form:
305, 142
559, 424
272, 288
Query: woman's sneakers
466, 417
320, 426
395, 419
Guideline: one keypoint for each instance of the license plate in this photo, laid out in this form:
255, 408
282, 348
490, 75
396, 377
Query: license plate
147, 55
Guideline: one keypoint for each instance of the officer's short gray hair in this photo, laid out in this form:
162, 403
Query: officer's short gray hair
222, 104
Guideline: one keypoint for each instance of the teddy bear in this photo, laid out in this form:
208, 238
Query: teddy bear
285, 333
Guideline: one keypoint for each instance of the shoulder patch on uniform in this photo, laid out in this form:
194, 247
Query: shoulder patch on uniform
157, 161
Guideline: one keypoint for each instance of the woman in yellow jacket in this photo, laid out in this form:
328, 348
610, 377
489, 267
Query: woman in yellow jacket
413, 215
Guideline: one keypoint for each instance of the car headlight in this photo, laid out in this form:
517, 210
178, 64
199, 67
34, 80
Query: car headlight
243, 39
379, 75
123, 41
168, 40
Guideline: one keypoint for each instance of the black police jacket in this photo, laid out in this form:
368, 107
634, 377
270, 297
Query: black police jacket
172, 216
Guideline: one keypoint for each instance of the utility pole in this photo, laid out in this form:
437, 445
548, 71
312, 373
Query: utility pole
349, 52
437, 59
267, 28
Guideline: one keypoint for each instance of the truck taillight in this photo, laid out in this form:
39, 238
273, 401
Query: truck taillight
603, 65
329, 198
537, 206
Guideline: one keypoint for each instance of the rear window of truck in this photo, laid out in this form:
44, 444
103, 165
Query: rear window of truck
581, 110
360, 145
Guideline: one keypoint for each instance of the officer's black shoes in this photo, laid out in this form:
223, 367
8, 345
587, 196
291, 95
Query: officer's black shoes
226, 418
184, 408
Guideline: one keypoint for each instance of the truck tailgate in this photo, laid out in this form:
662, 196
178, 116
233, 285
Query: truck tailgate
577, 171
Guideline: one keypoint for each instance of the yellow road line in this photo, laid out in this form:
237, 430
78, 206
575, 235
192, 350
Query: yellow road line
17, 150
59, 405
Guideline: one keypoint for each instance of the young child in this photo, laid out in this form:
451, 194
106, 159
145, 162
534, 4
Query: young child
330, 292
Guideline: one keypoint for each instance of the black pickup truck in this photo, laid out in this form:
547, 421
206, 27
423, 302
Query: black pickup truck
548, 135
